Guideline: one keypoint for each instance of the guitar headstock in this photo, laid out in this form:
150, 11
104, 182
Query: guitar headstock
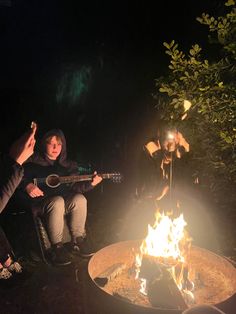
116, 177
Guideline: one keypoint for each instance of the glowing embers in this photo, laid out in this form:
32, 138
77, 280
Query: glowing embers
161, 264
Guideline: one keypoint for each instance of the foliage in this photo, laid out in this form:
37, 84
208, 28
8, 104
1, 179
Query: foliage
73, 85
210, 123
224, 27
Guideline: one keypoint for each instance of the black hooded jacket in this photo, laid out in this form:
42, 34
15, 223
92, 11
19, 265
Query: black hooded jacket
11, 174
40, 166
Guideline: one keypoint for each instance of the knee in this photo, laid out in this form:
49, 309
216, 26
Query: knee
56, 203
79, 200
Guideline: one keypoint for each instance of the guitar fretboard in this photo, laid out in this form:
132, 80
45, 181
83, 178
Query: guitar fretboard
87, 177
78, 178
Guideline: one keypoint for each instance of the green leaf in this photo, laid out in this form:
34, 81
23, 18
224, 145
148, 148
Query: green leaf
162, 90
166, 45
229, 3
172, 43
192, 52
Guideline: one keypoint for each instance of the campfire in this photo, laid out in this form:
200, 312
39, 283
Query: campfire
162, 266
163, 271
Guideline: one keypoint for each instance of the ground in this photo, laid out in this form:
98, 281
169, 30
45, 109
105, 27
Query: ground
114, 215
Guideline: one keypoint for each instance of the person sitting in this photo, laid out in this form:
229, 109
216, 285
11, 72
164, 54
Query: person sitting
55, 203
11, 173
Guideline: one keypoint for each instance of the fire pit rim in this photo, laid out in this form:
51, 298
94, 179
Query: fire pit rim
136, 244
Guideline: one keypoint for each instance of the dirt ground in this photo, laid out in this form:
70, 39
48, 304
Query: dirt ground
114, 215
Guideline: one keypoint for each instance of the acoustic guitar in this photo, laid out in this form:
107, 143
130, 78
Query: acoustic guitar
54, 180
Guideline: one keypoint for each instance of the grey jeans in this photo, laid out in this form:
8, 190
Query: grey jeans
54, 208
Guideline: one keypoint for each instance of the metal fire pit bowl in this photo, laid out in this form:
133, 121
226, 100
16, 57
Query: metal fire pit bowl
216, 267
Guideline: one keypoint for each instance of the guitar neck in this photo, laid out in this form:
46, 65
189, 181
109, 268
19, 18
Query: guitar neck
87, 177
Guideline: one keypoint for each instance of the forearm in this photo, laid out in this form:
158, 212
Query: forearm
11, 174
82, 187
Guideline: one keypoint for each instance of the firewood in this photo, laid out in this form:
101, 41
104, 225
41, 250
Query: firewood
150, 268
110, 273
162, 290
165, 293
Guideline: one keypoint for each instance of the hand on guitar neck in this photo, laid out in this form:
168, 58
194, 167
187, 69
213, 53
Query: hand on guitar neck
96, 179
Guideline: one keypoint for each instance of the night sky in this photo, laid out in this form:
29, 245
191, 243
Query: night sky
118, 45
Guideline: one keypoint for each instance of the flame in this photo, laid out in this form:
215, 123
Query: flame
166, 240
163, 239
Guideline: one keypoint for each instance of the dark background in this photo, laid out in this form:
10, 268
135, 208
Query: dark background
117, 46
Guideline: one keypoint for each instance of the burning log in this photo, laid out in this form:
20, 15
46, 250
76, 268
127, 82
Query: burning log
161, 288
110, 273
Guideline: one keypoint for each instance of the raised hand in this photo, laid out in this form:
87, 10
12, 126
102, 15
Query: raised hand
180, 140
23, 148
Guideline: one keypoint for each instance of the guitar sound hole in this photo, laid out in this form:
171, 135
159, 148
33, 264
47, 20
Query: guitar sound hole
53, 181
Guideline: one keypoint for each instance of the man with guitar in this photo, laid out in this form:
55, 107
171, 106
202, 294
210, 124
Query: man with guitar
55, 200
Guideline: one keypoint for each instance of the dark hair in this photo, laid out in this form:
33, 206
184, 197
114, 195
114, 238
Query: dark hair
58, 138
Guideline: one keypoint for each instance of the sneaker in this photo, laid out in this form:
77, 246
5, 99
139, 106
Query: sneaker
83, 247
5, 273
60, 256
15, 267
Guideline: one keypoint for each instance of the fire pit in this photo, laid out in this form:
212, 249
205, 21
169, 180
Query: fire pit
110, 270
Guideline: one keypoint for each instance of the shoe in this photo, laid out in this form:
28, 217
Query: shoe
7, 280
83, 247
60, 256
34, 256
15, 267
5, 273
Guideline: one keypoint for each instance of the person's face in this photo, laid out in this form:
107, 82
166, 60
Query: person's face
53, 148
169, 143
